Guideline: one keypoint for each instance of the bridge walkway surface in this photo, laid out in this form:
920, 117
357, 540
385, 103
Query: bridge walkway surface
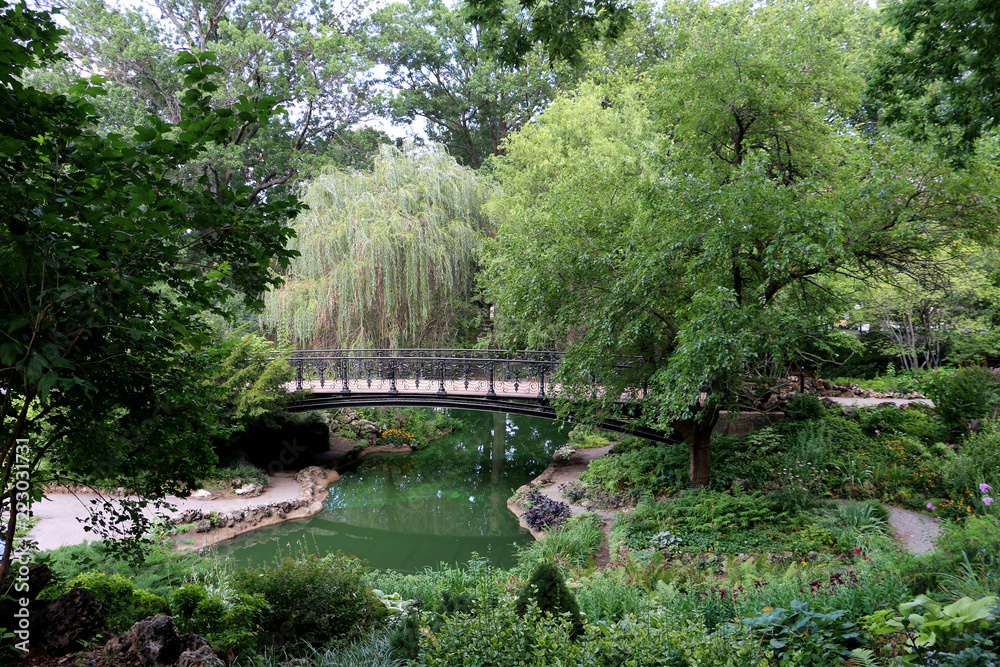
484, 380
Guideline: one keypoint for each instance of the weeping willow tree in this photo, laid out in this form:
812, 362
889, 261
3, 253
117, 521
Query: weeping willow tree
388, 256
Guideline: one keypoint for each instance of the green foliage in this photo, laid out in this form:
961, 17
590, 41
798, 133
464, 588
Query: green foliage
374, 649
750, 461
647, 641
977, 461
584, 437
610, 595
405, 639
306, 56
711, 511
253, 376
801, 636
857, 524
547, 590
648, 471
426, 425
314, 600
574, 543
562, 31
184, 601
499, 636
387, 256
123, 604
161, 572
705, 521
235, 625
113, 269
940, 85
935, 625
700, 222
804, 407
963, 396
477, 579
441, 71
238, 474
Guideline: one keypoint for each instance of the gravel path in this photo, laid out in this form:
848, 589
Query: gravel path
62, 513
917, 531
854, 400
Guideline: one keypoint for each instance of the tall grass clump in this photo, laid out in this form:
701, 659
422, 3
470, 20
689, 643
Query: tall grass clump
572, 544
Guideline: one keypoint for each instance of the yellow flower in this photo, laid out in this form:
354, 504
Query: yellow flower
768, 609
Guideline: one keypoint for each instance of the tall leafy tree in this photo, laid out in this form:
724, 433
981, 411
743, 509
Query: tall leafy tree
702, 250
940, 77
440, 71
107, 261
513, 28
305, 56
387, 256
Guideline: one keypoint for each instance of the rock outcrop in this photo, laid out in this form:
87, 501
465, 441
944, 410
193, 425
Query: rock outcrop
155, 642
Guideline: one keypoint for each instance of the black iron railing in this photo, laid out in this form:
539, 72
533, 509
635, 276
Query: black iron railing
488, 373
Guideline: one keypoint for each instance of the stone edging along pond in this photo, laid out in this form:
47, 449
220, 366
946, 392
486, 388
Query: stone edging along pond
200, 528
205, 527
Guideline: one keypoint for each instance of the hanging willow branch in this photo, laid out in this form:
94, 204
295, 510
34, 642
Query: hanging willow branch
388, 256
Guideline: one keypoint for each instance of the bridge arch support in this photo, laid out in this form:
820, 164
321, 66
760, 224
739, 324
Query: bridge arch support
536, 408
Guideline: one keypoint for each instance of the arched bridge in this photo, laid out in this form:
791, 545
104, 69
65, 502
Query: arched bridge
484, 380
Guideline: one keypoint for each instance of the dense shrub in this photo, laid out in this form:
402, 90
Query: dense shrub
315, 600
962, 396
650, 470
499, 636
749, 461
123, 604
977, 461
712, 511
547, 590
804, 407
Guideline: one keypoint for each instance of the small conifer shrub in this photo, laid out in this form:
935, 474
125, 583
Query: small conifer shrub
549, 591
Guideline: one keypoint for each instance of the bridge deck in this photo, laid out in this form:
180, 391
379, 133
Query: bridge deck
487, 380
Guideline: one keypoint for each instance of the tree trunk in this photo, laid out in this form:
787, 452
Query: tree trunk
697, 434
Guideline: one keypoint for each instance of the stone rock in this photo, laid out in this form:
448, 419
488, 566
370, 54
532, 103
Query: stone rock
189, 516
65, 624
827, 402
155, 642
203, 526
38, 578
365, 426
204, 656
249, 490
201, 494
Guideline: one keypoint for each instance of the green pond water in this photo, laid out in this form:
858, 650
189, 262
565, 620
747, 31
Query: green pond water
438, 505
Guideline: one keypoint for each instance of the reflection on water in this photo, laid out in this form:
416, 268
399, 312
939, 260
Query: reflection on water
410, 511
